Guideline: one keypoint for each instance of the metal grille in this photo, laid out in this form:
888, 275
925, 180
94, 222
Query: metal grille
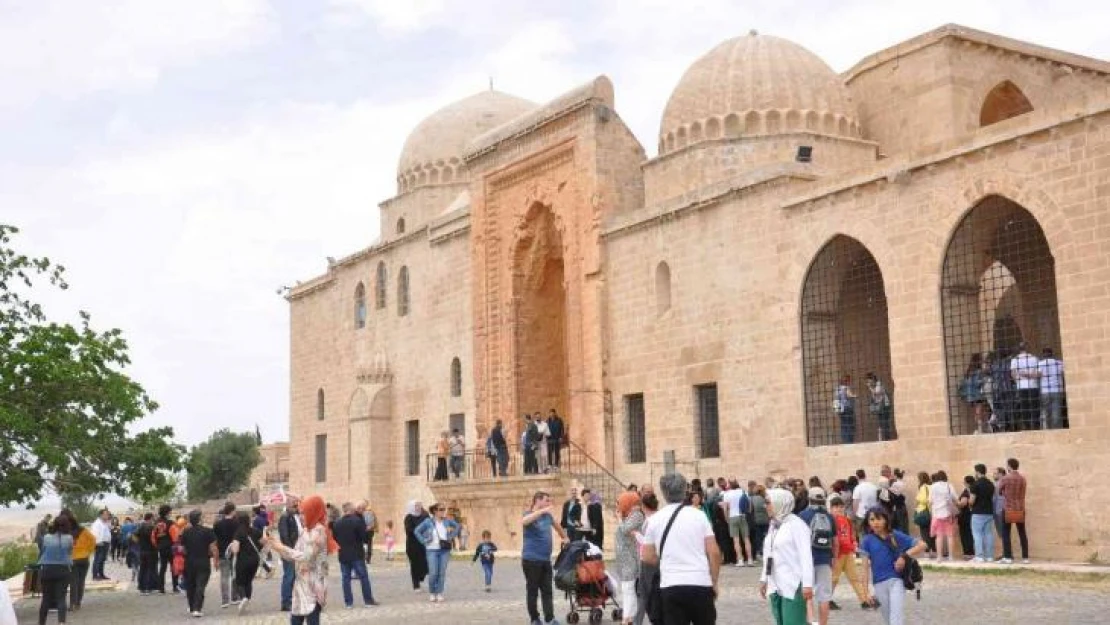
998, 296
456, 378
708, 441
380, 286
635, 442
412, 447
403, 292
360, 306
846, 348
321, 458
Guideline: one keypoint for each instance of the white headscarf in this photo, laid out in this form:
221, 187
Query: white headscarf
410, 509
782, 504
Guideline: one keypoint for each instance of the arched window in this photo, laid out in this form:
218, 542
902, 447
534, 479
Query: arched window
380, 286
401, 225
662, 288
403, 292
1004, 101
456, 378
360, 306
320, 404
998, 300
846, 347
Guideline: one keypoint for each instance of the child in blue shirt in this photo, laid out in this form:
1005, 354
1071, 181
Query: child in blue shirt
485, 552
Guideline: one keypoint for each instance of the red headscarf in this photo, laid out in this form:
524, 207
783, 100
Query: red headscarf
315, 513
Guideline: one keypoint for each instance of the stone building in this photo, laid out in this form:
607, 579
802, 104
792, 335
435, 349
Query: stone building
272, 473
916, 217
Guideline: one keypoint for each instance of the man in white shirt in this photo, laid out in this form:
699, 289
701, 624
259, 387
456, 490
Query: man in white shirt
1052, 390
689, 561
1025, 371
102, 531
864, 497
456, 446
736, 505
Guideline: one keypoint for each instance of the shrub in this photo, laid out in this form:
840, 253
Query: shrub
14, 556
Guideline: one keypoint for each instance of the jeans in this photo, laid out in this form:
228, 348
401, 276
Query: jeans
503, 460
98, 561
848, 426
554, 452
759, 534
359, 569
196, 580
77, 585
313, 618
148, 562
1028, 409
487, 569
1007, 548
437, 569
982, 529
1052, 415
457, 465
537, 581
228, 591
690, 605
54, 596
891, 594
288, 575
165, 558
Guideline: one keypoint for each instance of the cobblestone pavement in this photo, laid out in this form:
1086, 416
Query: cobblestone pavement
947, 599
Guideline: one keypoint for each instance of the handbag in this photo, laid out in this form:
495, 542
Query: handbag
1014, 516
911, 574
655, 595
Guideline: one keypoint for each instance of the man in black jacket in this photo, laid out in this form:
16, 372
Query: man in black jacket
554, 439
148, 554
571, 518
289, 530
593, 529
350, 532
225, 530
501, 446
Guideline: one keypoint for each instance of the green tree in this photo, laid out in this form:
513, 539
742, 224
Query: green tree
68, 413
222, 464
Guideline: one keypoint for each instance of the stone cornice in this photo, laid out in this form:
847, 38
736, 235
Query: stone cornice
873, 61
759, 137
982, 140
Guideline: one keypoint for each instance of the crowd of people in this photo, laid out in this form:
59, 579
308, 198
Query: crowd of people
1015, 393
541, 444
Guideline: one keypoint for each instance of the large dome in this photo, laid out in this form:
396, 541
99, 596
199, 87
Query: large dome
756, 84
434, 149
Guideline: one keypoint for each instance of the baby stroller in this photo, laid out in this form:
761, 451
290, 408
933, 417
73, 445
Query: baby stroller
580, 573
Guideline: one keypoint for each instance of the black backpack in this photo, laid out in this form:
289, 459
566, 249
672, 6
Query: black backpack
912, 575
822, 530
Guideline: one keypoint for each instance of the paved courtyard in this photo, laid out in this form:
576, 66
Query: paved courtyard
948, 599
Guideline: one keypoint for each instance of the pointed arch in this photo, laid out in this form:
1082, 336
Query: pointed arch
456, 377
662, 288
1003, 101
845, 337
998, 293
380, 285
403, 292
360, 306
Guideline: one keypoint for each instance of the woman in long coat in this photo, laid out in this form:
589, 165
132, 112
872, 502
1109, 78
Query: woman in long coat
414, 549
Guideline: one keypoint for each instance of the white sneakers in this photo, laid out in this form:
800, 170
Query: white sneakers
243, 605
196, 614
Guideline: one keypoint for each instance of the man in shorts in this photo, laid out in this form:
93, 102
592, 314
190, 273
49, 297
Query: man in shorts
737, 506
825, 551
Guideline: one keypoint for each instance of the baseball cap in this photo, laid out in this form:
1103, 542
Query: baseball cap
817, 493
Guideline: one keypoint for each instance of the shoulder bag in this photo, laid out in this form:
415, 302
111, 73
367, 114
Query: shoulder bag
655, 595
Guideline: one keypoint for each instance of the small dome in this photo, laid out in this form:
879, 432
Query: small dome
434, 149
756, 84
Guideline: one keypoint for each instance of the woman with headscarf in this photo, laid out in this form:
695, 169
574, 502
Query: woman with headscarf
310, 587
630, 520
414, 549
788, 561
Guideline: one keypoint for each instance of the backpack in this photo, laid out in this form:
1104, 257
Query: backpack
912, 575
745, 504
821, 530
160, 537
491, 449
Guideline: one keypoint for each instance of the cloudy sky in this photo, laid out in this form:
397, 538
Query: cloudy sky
185, 159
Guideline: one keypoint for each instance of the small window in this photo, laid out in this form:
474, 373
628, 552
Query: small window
360, 306
634, 439
708, 430
320, 405
401, 225
321, 458
456, 378
403, 292
380, 286
662, 288
1004, 101
805, 154
412, 447
457, 421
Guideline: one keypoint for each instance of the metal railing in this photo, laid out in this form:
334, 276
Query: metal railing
277, 477
574, 461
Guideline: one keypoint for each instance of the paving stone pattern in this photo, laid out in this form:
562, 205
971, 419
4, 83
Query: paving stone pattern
947, 598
